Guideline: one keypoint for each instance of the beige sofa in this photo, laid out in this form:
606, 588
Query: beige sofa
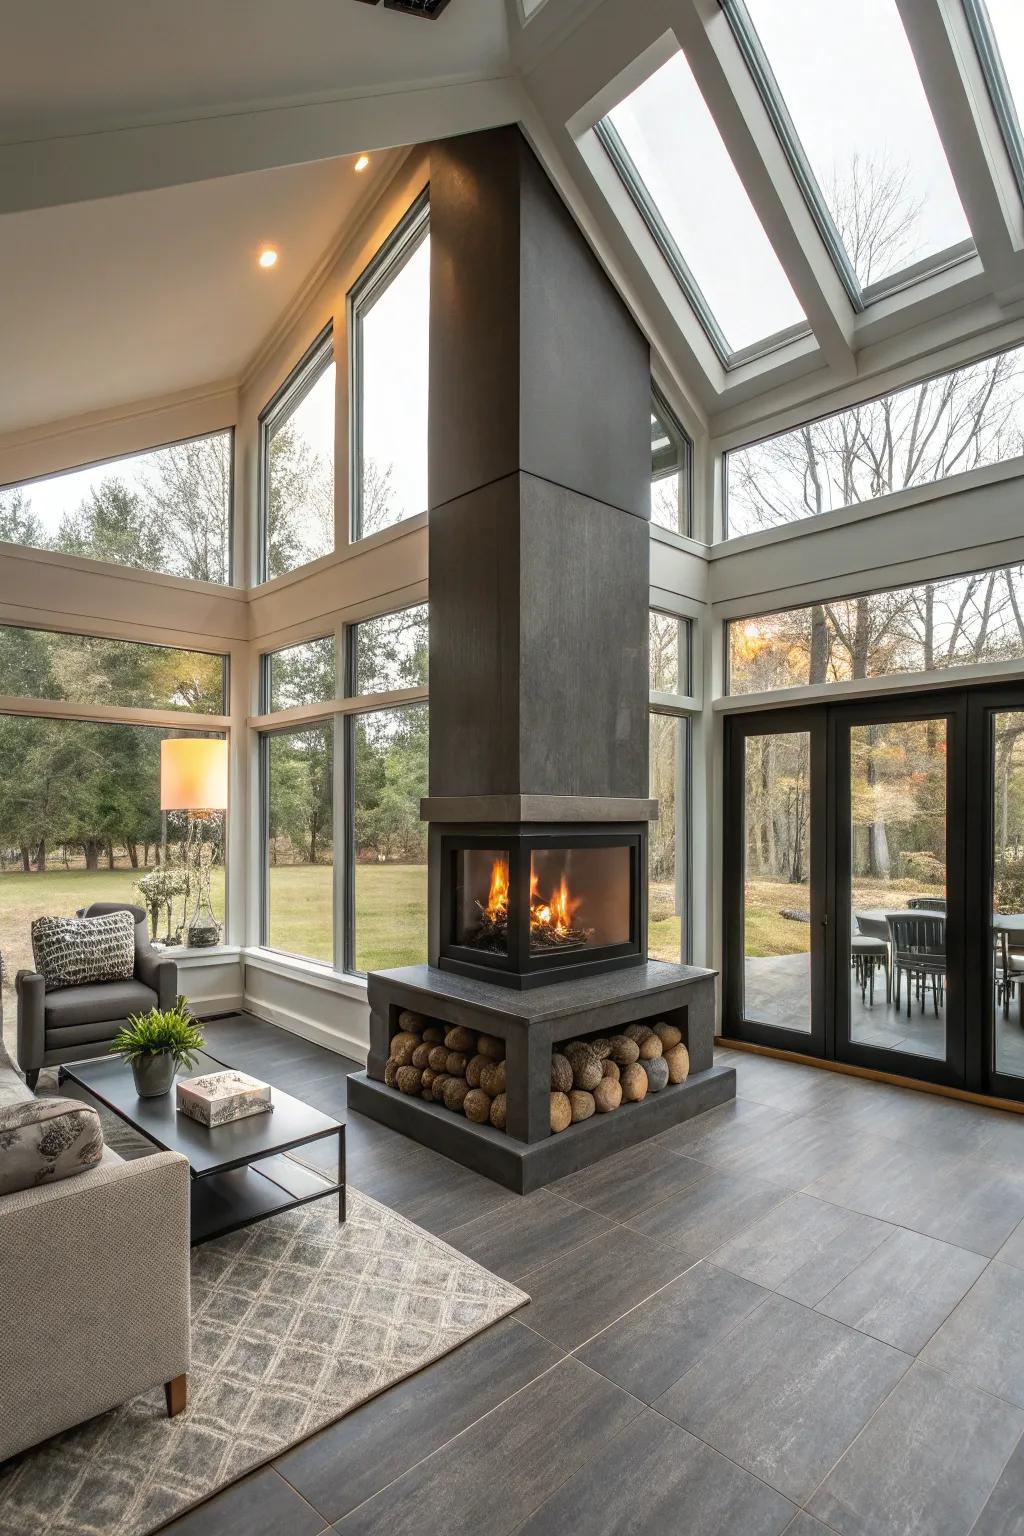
94, 1268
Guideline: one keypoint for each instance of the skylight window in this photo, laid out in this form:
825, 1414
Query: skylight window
849, 106
998, 30
665, 145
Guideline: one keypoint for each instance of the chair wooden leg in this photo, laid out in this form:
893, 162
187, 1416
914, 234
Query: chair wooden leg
176, 1393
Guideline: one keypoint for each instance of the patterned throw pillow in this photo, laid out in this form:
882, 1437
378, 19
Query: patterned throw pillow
43, 1140
70, 951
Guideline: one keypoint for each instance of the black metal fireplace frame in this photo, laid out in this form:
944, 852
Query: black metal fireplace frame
520, 968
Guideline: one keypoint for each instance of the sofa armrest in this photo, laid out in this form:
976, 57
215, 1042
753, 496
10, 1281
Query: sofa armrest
106, 1254
31, 991
157, 972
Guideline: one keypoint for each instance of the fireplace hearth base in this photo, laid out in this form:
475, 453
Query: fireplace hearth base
526, 1155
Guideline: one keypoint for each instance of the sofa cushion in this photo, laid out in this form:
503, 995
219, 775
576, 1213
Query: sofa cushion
73, 951
43, 1140
98, 1003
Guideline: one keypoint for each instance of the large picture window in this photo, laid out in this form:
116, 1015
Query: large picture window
298, 768
297, 465
391, 339
300, 674
91, 669
668, 917
166, 510
389, 651
956, 622
958, 421
387, 839
80, 821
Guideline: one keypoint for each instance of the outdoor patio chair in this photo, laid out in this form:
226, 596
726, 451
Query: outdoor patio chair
1009, 969
918, 952
927, 903
866, 955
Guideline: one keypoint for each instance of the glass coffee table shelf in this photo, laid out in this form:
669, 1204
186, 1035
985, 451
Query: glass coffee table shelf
239, 1172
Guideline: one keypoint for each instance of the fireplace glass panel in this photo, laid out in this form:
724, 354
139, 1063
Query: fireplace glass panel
482, 899
580, 898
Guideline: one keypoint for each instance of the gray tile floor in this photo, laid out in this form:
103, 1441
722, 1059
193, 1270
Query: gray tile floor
800, 1312
777, 992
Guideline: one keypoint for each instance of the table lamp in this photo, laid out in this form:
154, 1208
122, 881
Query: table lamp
194, 778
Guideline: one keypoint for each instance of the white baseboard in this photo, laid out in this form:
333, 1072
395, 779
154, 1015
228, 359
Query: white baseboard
333, 1038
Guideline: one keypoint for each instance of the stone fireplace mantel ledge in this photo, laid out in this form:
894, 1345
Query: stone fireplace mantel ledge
542, 1005
536, 808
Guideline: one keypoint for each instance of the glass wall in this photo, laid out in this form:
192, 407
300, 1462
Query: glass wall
671, 470
916, 436
1007, 934
297, 465
388, 916
300, 674
80, 821
960, 621
390, 651
391, 350
299, 810
668, 886
165, 510
670, 645
90, 669
777, 880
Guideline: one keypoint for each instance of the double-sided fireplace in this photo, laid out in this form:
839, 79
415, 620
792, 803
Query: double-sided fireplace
538, 1037
527, 905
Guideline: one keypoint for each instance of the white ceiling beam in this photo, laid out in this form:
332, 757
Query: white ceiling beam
736, 106
958, 97
48, 172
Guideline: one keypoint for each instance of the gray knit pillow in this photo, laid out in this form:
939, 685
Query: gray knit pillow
70, 951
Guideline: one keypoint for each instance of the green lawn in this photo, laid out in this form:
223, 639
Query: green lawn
766, 932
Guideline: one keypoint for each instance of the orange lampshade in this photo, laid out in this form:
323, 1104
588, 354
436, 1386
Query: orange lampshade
193, 775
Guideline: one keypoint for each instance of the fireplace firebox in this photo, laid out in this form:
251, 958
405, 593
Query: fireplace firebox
524, 905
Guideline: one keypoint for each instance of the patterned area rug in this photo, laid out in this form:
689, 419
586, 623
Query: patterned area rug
295, 1322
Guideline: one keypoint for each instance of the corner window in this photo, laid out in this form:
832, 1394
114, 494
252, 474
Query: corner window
670, 648
297, 465
166, 510
93, 669
299, 674
671, 469
390, 308
389, 651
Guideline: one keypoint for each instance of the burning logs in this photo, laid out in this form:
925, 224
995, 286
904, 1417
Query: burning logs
450, 1065
598, 1076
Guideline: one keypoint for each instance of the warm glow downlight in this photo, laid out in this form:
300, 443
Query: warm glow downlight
362, 163
268, 257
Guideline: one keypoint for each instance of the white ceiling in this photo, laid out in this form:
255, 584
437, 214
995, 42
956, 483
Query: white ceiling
128, 298
68, 67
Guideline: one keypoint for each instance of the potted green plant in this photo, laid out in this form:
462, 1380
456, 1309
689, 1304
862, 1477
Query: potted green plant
156, 1044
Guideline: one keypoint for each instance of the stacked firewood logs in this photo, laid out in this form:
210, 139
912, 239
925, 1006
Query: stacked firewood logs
596, 1076
449, 1065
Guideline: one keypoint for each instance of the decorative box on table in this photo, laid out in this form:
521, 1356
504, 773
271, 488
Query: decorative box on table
217, 1098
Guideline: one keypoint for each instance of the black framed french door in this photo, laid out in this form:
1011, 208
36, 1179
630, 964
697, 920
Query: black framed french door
776, 910
846, 884
897, 856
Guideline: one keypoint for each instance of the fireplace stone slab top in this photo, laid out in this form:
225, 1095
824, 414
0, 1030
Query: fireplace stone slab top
562, 999
536, 808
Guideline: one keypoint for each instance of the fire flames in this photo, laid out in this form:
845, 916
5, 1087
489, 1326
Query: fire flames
551, 917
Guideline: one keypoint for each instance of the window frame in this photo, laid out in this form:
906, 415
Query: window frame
986, 46
861, 296
303, 378
621, 162
264, 735
661, 408
387, 264
265, 682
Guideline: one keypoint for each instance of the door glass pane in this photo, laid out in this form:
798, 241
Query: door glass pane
777, 881
898, 886
1008, 893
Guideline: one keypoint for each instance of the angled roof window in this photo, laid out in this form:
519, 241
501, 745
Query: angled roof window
997, 27
666, 147
849, 107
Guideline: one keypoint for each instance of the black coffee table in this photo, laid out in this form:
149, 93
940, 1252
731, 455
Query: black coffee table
239, 1171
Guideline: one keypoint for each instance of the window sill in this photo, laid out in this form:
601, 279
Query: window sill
218, 954
309, 971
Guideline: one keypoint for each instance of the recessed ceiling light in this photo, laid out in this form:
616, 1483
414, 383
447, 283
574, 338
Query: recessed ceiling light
268, 257
362, 163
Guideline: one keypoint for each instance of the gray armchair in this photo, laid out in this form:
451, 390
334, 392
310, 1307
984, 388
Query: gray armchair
74, 1023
